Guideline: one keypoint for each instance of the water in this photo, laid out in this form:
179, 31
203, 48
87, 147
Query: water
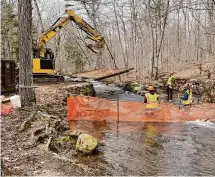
150, 148
138, 148
112, 92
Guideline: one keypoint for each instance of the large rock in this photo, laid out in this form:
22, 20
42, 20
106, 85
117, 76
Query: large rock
132, 86
83, 88
86, 143
142, 92
137, 88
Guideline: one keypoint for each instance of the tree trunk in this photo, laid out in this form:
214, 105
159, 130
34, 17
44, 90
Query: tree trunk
163, 31
25, 53
119, 34
41, 29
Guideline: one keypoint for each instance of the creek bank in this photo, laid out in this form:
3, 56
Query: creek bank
83, 88
62, 159
202, 87
34, 141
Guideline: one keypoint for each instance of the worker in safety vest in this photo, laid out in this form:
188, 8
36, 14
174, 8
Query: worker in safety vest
187, 97
170, 83
151, 98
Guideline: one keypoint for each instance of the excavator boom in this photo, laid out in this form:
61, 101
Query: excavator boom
62, 22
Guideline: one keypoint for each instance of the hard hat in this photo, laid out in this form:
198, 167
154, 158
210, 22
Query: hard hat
150, 88
171, 72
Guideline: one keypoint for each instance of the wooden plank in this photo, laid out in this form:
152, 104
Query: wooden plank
114, 74
102, 73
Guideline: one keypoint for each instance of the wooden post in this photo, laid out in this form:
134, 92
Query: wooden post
117, 126
117, 109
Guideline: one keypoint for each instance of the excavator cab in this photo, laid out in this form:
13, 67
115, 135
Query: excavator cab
43, 65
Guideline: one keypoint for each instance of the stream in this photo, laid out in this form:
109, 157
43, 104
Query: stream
143, 148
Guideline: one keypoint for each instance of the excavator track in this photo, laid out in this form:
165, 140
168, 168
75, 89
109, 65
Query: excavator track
48, 78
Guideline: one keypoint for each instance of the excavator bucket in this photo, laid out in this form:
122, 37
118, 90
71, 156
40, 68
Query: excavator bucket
94, 48
98, 46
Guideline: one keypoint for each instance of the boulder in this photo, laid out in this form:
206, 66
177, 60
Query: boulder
142, 92
83, 88
137, 88
86, 143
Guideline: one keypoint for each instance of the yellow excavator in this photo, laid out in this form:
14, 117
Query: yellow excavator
43, 61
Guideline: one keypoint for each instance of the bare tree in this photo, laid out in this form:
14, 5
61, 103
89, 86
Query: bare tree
39, 16
153, 36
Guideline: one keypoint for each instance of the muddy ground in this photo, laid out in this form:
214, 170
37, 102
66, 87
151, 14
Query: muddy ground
26, 152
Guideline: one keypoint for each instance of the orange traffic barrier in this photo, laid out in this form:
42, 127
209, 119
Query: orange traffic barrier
91, 108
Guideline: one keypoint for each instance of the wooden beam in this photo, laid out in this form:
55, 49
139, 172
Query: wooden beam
102, 73
114, 74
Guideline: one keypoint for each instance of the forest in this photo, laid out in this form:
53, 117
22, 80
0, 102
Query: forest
153, 36
107, 87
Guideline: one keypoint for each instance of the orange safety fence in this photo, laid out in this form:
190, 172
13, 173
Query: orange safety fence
91, 108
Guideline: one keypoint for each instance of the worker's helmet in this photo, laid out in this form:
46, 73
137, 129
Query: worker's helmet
150, 88
171, 72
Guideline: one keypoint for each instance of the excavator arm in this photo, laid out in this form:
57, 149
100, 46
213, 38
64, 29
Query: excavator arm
63, 21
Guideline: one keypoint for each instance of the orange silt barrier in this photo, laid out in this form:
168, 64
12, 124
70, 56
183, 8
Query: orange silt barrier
91, 108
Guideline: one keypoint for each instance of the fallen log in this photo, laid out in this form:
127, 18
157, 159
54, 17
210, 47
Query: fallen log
102, 74
36, 141
206, 119
114, 74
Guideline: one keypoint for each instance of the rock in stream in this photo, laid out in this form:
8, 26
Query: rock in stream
86, 143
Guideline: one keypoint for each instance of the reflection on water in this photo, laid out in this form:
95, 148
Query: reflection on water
134, 148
